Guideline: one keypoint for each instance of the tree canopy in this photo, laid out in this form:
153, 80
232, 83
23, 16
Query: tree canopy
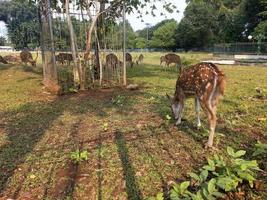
22, 23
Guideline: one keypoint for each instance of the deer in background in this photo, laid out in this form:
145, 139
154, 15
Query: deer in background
2, 60
129, 59
171, 58
206, 83
112, 61
26, 57
12, 58
140, 59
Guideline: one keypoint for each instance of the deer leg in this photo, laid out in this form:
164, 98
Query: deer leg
212, 122
197, 108
211, 110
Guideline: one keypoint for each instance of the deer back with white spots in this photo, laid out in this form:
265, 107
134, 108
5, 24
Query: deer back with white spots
204, 82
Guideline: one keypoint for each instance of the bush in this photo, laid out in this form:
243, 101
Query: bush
216, 178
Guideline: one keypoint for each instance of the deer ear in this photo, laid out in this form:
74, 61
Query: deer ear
169, 97
181, 68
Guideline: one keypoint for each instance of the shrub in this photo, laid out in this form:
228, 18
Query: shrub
217, 178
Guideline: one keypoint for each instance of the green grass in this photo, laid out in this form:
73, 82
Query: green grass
138, 153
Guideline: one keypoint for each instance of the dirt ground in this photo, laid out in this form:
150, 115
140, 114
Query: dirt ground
134, 151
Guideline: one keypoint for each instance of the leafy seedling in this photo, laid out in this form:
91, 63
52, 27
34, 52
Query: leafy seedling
79, 156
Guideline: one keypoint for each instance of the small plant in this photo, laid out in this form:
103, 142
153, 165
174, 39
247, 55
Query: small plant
158, 197
105, 126
79, 156
168, 117
119, 100
217, 178
73, 90
260, 149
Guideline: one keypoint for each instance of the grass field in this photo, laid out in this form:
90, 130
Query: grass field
133, 150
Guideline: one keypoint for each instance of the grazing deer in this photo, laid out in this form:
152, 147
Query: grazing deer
2, 60
12, 58
65, 57
129, 59
26, 57
171, 58
162, 60
206, 83
59, 58
112, 61
140, 59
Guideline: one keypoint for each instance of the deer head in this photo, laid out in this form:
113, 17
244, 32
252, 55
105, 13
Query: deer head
175, 106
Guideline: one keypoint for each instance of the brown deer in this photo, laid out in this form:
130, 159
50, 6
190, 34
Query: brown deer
140, 59
60, 59
65, 57
206, 83
26, 57
2, 60
129, 59
171, 58
112, 61
12, 58
162, 60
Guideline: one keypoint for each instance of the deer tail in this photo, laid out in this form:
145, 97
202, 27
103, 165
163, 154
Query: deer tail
221, 84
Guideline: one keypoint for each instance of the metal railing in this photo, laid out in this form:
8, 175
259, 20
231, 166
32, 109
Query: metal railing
255, 48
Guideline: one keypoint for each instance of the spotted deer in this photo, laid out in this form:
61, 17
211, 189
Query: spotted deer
12, 58
206, 83
26, 57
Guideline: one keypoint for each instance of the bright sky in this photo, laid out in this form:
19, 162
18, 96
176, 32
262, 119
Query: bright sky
3, 29
137, 24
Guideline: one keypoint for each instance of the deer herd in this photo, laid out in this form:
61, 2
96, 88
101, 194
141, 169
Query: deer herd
204, 82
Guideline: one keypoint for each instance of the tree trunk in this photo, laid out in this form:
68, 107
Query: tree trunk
50, 76
78, 71
98, 61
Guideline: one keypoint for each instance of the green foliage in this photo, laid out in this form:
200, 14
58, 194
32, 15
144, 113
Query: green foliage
79, 156
73, 90
198, 27
2, 41
22, 23
261, 29
119, 100
260, 149
180, 190
217, 177
158, 197
164, 36
105, 126
140, 43
207, 22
